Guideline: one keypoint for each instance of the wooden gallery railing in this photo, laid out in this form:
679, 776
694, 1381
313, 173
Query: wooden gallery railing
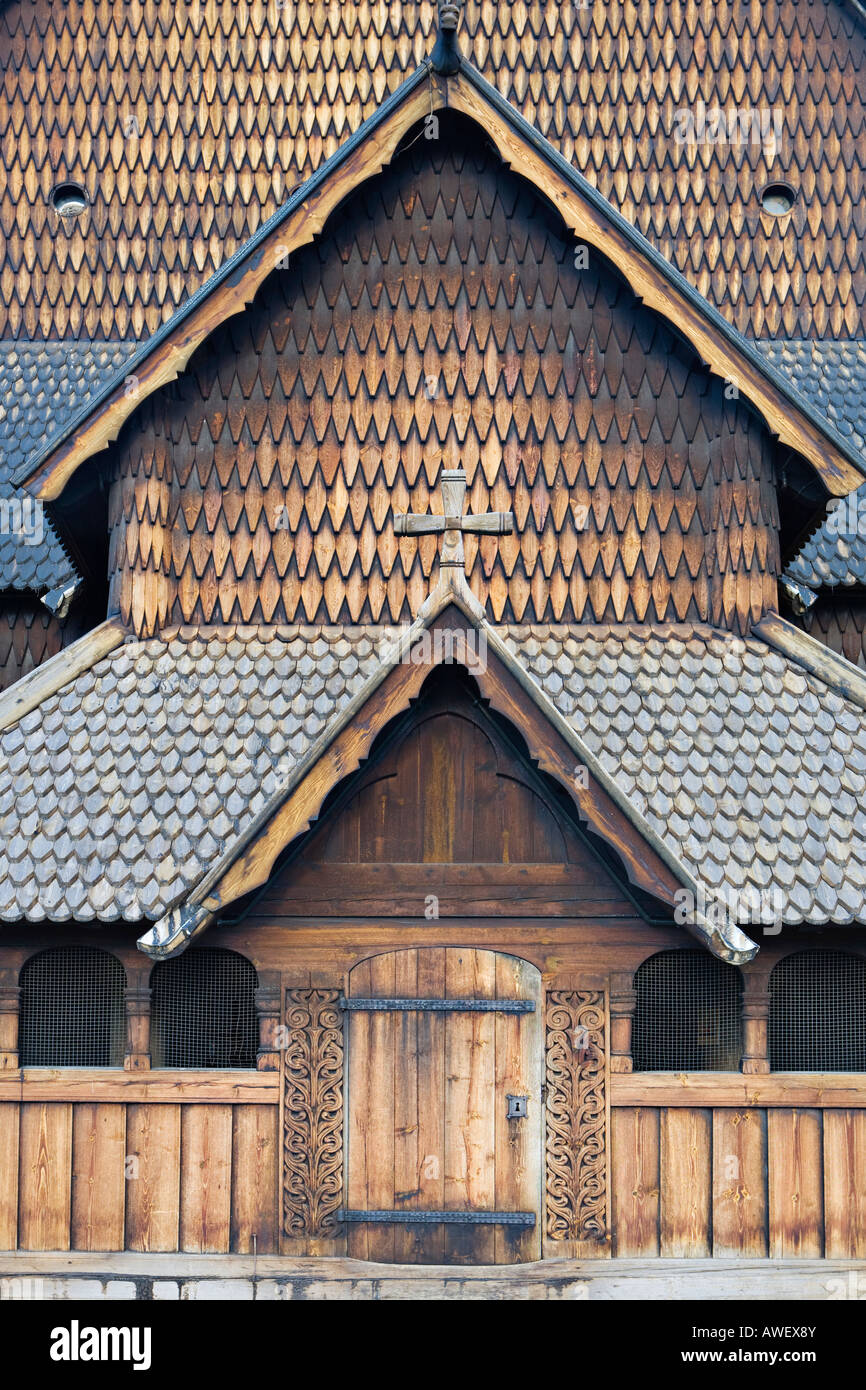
727, 1164
637, 1164
139, 1159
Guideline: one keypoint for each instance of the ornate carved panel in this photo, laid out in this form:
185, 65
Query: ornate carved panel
313, 1127
576, 1178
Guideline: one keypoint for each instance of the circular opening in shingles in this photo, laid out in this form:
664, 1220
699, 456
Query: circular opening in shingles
68, 199
778, 198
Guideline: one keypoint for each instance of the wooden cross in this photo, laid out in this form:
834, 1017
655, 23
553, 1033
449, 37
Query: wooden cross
453, 522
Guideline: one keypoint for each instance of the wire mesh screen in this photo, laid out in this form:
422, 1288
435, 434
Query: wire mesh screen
688, 1015
72, 1011
818, 1013
204, 1011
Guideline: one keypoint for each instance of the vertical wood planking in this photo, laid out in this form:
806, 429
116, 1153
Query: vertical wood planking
45, 1176
408, 1240
205, 1177
431, 1100
254, 1173
9, 1164
685, 1164
845, 1184
739, 1182
153, 1185
359, 1085
635, 1180
518, 1142
373, 1086
98, 1177
470, 1100
380, 1133
795, 1164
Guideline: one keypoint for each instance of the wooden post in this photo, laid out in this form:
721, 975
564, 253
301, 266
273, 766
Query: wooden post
268, 1010
137, 1002
623, 998
10, 996
756, 1009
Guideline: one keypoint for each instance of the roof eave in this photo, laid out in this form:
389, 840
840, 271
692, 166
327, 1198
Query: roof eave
223, 884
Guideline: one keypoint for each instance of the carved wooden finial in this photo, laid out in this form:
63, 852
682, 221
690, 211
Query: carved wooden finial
449, 14
453, 522
445, 57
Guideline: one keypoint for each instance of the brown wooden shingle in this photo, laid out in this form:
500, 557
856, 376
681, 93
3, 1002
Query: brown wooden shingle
235, 104
262, 486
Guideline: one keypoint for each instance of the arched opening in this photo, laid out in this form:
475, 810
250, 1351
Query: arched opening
817, 1019
72, 1011
688, 1013
204, 1011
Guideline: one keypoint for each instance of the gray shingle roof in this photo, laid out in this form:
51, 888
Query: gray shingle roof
121, 790
753, 771
836, 553
832, 376
117, 792
41, 385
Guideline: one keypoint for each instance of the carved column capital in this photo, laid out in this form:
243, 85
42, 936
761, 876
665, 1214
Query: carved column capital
268, 1012
623, 1000
10, 1001
756, 1012
136, 1000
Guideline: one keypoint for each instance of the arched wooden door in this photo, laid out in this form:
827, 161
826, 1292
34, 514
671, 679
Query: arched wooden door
444, 1045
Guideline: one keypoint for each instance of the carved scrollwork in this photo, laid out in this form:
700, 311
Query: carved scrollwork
313, 1134
576, 1180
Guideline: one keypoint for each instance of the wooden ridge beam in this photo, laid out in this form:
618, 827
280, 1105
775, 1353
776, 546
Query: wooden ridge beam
826, 665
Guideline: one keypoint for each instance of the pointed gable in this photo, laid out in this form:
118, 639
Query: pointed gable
445, 312
447, 808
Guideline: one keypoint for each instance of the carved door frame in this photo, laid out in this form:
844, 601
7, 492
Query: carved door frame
575, 1121
471, 1087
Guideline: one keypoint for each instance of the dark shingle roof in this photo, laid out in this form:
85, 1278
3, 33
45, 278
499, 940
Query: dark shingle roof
836, 553
124, 787
43, 384
832, 377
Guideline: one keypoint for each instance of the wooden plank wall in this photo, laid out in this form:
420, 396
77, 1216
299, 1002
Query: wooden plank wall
687, 1181
780, 1182
89, 1176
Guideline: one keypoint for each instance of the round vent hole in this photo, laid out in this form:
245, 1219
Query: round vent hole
69, 199
777, 199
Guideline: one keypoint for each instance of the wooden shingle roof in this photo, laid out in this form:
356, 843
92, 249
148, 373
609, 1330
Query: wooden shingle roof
189, 124
43, 384
129, 781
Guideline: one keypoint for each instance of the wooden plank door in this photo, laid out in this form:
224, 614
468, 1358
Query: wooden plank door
428, 1092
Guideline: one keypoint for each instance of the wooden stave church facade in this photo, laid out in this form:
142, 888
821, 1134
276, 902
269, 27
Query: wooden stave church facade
229, 1157
61, 331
